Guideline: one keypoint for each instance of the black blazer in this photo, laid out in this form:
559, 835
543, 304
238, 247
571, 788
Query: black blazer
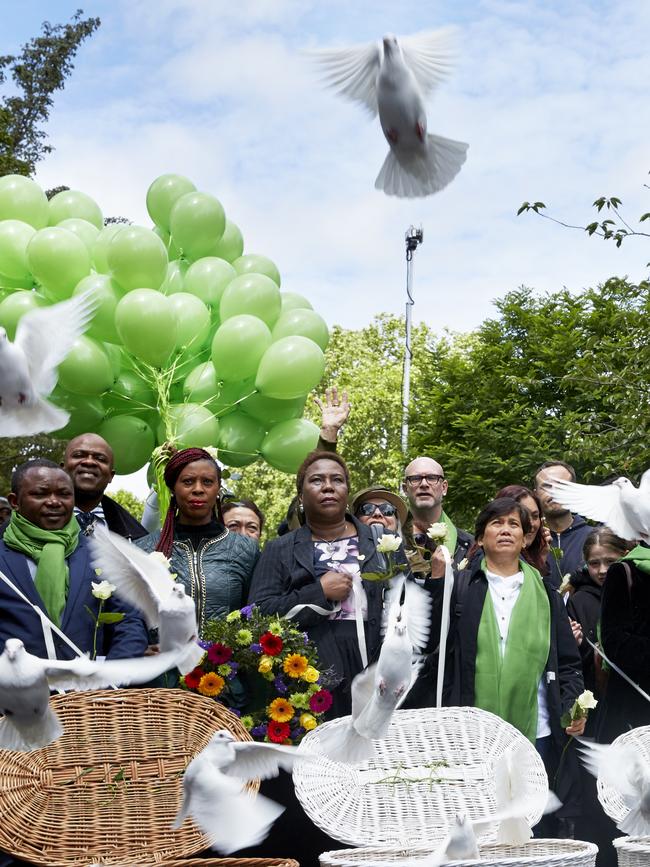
119, 521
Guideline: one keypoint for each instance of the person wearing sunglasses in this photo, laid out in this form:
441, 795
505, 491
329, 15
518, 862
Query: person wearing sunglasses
377, 505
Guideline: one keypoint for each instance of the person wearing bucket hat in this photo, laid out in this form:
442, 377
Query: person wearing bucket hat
378, 505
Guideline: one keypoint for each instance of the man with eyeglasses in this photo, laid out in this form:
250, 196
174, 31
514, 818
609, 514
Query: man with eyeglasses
426, 487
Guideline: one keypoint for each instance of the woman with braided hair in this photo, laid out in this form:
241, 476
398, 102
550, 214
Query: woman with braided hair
214, 564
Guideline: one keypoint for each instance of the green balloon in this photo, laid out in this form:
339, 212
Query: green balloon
73, 203
132, 441
191, 425
14, 306
175, 278
290, 367
305, 322
8, 285
207, 278
130, 394
14, 238
229, 393
83, 230
294, 301
114, 354
100, 247
231, 245
172, 250
238, 346
201, 384
58, 259
137, 258
254, 294
253, 263
107, 294
86, 412
23, 199
163, 193
240, 438
146, 324
270, 411
197, 221
192, 321
86, 369
288, 443
184, 363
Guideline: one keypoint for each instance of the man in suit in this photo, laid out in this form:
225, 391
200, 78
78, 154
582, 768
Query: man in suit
47, 559
88, 460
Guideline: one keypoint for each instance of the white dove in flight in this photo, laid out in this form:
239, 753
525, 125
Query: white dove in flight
28, 366
391, 80
624, 508
26, 680
228, 816
146, 583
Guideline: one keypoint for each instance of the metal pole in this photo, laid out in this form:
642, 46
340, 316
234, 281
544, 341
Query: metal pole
413, 239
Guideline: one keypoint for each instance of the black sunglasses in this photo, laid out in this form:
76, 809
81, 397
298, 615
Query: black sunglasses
365, 510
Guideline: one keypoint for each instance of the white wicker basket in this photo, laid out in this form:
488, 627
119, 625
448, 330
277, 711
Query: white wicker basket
633, 851
536, 853
433, 764
611, 799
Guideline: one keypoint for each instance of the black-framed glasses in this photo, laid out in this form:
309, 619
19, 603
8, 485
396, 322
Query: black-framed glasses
418, 478
365, 510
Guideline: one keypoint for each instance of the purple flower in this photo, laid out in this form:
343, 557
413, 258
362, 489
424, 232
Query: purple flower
206, 645
297, 733
305, 639
233, 670
280, 685
235, 711
256, 648
247, 610
259, 731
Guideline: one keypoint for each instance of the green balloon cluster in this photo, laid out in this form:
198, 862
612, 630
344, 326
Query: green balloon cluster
191, 340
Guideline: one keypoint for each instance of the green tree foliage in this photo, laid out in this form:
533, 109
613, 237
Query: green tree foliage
40, 69
17, 450
129, 501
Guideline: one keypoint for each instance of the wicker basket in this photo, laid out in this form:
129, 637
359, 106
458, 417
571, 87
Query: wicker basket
107, 791
232, 862
536, 853
403, 796
611, 799
633, 851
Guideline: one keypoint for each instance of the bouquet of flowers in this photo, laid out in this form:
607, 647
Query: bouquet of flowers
279, 666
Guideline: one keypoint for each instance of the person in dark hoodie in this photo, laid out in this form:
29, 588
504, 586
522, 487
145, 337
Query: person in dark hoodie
568, 531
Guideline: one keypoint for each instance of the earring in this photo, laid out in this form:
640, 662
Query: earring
301, 509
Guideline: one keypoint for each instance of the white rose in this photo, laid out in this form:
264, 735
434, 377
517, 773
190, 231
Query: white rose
463, 564
159, 557
388, 542
437, 532
586, 700
103, 590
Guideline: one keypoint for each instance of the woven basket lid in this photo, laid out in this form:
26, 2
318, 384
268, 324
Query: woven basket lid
611, 799
433, 764
107, 791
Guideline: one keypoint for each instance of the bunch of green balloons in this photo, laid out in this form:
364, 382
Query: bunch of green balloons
192, 340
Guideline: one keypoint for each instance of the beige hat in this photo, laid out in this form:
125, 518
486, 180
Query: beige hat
375, 492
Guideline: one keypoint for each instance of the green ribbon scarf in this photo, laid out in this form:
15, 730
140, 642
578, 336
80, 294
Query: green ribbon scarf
49, 549
640, 556
507, 686
452, 534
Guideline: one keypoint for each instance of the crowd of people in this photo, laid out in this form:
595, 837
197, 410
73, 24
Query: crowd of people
536, 590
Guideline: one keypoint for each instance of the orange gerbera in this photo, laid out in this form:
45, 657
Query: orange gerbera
295, 665
211, 684
280, 710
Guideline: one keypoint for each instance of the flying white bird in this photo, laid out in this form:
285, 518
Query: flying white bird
145, 582
28, 366
26, 680
228, 816
624, 508
381, 688
392, 80
621, 767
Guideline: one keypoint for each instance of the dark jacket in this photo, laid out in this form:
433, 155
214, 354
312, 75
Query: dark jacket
19, 620
285, 576
464, 542
119, 521
571, 543
584, 606
625, 632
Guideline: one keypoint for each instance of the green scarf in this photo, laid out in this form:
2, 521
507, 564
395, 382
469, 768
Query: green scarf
508, 686
49, 549
452, 534
640, 556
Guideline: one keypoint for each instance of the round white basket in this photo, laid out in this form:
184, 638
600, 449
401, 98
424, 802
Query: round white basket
536, 853
633, 851
612, 800
433, 764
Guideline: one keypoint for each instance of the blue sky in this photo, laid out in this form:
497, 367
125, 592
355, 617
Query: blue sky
552, 98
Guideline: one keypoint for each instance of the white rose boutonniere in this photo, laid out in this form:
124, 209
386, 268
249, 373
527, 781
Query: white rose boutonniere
438, 533
103, 590
388, 543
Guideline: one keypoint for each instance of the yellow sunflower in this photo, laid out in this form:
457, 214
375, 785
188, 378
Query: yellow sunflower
211, 684
295, 665
280, 710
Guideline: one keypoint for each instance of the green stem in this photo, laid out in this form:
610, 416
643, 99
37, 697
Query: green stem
99, 614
